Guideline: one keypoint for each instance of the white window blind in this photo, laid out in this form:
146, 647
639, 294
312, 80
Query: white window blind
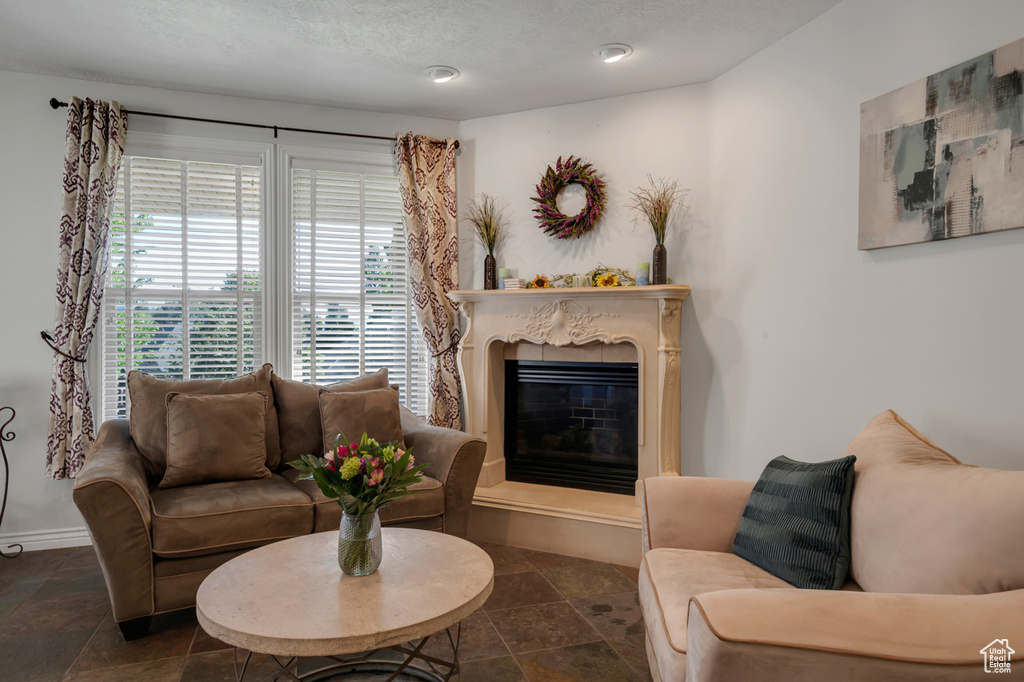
352, 309
183, 291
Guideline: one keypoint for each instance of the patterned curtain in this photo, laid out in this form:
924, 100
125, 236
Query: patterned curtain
92, 158
426, 176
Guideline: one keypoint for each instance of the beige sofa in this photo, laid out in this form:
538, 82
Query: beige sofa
156, 545
937, 575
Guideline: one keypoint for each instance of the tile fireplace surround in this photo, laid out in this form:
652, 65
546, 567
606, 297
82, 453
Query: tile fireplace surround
614, 324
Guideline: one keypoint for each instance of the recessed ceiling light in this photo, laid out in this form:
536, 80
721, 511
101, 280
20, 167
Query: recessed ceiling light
441, 74
613, 52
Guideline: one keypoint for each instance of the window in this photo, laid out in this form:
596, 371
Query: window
207, 281
352, 309
183, 291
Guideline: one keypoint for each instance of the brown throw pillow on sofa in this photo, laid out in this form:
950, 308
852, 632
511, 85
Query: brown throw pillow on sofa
298, 408
214, 438
374, 412
148, 417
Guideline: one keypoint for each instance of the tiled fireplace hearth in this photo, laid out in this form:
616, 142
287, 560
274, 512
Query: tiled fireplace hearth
621, 325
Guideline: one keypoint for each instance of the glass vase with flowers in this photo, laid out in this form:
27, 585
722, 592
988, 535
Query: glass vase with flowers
362, 477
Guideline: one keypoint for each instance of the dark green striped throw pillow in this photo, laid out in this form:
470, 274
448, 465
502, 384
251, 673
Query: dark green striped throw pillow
797, 522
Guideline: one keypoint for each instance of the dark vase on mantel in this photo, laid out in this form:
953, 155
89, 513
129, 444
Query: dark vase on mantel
659, 265
490, 272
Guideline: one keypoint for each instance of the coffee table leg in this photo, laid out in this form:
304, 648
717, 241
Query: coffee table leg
289, 668
435, 674
240, 672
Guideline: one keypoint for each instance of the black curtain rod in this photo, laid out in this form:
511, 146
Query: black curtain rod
56, 104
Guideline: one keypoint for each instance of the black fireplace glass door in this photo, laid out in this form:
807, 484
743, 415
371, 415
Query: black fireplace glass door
572, 424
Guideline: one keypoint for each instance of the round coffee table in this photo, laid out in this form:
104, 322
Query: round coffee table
291, 600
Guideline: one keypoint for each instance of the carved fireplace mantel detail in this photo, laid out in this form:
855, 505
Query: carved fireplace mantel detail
560, 323
565, 321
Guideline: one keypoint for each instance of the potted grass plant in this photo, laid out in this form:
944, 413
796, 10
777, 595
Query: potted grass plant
653, 204
488, 220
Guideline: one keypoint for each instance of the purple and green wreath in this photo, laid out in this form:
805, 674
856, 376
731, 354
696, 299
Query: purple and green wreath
572, 172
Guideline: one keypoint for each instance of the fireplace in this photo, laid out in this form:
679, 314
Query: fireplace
636, 325
572, 424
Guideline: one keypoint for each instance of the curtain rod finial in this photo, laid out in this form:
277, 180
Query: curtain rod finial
56, 103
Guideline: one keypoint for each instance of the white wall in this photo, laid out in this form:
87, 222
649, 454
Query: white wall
662, 133
33, 149
798, 338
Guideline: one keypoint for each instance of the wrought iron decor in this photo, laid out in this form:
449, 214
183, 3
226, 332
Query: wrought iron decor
6, 436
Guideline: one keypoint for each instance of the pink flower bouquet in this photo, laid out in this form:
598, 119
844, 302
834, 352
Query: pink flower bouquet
361, 476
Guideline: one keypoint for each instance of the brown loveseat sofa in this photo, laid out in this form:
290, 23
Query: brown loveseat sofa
936, 578
156, 545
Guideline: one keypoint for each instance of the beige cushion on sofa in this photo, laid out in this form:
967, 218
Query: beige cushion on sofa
214, 438
426, 502
298, 409
219, 517
922, 522
148, 417
375, 413
679, 574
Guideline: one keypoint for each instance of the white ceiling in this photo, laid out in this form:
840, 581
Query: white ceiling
513, 55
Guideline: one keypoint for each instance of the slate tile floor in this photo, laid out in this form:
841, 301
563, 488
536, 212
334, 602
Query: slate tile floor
551, 618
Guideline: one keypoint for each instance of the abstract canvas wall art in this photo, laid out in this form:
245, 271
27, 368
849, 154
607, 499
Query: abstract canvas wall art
944, 157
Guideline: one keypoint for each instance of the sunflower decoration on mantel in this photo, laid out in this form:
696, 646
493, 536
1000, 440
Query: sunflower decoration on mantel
572, 171
601, 276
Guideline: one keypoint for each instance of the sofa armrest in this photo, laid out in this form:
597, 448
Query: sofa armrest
455, 459
892, 636
688, 512
112, 495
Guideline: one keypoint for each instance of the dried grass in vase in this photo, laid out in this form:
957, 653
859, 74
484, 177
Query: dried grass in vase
654, 203
488, 219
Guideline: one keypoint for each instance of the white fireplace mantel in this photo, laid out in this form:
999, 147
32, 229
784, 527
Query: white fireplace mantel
570, 323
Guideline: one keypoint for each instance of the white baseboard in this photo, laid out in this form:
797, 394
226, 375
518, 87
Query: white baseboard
47, 539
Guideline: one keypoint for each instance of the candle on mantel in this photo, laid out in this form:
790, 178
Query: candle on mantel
502, 274
643, 274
